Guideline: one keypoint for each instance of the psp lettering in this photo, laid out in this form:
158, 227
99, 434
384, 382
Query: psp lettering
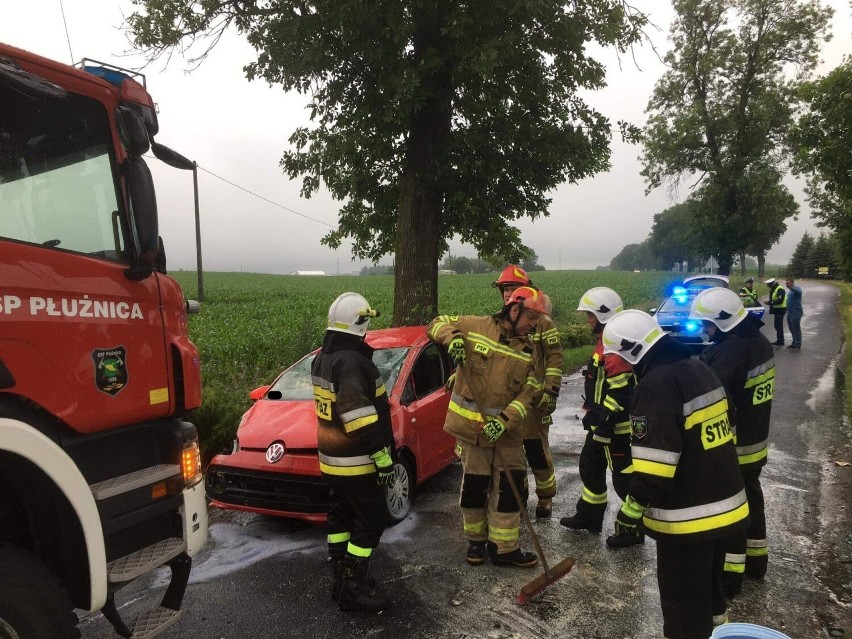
70, 307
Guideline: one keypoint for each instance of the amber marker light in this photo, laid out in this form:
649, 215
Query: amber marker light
191, 463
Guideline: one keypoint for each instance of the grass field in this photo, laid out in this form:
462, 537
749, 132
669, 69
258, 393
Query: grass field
251, 326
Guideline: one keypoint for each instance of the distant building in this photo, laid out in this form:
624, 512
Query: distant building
308, 273
446, 271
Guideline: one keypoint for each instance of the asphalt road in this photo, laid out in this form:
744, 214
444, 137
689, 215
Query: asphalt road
262, 577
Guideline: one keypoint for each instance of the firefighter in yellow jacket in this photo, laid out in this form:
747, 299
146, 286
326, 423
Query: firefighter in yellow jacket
548, 375
490, 400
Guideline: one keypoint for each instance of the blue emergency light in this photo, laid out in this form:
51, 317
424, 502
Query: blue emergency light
692, 326
680, 294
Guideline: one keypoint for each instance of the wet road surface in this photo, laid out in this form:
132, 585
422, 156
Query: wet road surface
263, 577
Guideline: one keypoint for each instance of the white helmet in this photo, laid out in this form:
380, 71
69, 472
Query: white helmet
631, 334
350, 313
602, 301
719, 305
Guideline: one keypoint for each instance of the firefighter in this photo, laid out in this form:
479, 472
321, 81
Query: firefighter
548, 358
609, 381
778, 308
748, 294
355, 450
742, 359
686, 488
490, 400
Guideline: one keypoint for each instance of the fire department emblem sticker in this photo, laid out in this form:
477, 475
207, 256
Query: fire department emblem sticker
110, 369
639, 426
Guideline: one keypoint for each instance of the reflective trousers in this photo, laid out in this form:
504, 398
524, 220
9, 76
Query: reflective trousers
489, 508
748, 553
595, 459
690, 581
358, 508
537, 451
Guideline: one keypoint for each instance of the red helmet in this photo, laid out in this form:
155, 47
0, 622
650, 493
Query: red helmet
512, 275
529, 298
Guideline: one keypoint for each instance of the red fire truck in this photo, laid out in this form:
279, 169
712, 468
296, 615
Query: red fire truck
100, 478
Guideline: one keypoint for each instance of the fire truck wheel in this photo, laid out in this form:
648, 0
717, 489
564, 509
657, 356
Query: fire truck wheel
33, 604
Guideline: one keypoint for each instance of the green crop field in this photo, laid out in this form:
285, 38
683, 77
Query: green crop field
252, 325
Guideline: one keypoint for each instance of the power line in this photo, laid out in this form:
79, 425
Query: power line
281, 206
67, 37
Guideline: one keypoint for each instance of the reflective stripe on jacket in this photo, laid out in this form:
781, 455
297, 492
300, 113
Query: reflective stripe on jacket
353, 414
497, 379
548, 358
684, 461
608, 384
743, 360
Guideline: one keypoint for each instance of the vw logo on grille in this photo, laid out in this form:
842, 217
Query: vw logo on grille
275, 452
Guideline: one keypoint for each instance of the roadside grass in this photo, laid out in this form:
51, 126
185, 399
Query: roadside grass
845, 311
252, 326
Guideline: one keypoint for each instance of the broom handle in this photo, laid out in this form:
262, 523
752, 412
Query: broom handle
524, 515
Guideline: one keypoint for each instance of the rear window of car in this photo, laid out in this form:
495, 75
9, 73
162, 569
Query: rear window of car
295, 383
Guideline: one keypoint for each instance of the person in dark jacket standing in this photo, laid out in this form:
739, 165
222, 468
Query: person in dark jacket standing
794, 313
686, 486
355, 450
609, 381
778, 308
743, 360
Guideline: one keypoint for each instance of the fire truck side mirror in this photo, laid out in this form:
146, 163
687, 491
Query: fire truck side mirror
143, 211
131, 131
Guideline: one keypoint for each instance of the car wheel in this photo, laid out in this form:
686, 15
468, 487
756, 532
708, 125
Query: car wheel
399, 494
32, 601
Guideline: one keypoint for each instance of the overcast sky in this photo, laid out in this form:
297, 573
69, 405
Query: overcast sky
238, 130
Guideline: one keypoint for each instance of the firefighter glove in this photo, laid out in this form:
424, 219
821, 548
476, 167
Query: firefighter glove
456, 350
629, 517
547, 403
384, 467
493, 429
451, 381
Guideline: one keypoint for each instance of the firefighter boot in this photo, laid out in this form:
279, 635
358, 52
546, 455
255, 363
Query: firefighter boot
355, 593
544, 509
624, 538
335, 560
516, 557
579, 521
476, 553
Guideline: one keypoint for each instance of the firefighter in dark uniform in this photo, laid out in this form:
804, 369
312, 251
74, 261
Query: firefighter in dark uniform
609, 381
686, 487
491, 398
778, 308
743, 360
355, 450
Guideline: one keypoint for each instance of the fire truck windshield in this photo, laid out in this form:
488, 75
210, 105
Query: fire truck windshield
58, 175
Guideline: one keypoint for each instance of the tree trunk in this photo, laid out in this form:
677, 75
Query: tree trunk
419, 229
742, 263
761, 263
725, 263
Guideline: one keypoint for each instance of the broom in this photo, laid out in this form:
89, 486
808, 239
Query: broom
550, 575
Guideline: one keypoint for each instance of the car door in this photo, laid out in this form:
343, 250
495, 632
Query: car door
425, 403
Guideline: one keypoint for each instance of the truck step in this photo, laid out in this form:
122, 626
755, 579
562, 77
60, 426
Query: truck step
151, 623
131, 481
138, 563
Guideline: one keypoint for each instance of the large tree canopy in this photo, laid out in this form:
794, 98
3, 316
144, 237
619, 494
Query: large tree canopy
431, 119
823, 139
721, 114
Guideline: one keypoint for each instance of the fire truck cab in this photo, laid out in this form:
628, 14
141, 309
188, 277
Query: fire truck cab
100, 476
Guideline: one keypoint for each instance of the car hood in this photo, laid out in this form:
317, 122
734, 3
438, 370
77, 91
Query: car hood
292, 422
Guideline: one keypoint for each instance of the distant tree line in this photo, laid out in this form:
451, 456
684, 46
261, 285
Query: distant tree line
813, 254
463, 265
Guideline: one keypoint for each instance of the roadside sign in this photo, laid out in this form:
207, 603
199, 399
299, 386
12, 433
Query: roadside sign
822, 270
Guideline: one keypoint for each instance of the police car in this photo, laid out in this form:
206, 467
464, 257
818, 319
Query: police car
673, 314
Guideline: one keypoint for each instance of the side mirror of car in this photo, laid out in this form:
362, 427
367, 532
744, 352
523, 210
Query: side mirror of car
259, 392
